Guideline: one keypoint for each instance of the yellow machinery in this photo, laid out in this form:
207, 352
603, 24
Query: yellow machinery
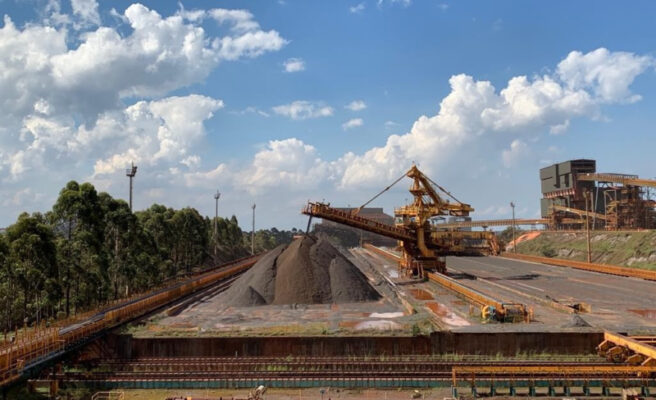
422, 245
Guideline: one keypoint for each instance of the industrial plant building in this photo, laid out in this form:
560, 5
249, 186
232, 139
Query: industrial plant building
573, 189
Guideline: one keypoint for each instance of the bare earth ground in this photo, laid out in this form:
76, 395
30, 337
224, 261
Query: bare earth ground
616, 303
409, 307
212, 317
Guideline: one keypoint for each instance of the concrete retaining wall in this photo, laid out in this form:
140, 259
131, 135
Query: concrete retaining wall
508, 344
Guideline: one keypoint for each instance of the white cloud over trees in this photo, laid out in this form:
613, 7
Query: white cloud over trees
96, 100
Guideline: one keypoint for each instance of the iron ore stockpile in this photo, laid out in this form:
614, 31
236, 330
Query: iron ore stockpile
307, 271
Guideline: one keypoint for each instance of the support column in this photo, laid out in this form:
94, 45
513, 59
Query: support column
552, 391
54, 388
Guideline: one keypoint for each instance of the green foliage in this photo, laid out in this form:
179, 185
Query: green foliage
31, 268
548, 252
227, 239
634, 249
267, 239
91, 249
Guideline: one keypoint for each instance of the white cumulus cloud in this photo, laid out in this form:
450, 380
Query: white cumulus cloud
162, 130
153, 57
475, 118
357, 8
511, 156
86, 11
404, 3
606, 74
83, 105
352, 123
294, 65
301, 109
474, 110
356, 105
288, 163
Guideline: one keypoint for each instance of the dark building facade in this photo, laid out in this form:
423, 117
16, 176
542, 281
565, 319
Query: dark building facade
559, 185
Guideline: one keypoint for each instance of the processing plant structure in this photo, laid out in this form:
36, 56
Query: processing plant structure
574, 194
612, 201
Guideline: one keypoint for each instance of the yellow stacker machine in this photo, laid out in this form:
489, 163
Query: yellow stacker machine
422, 244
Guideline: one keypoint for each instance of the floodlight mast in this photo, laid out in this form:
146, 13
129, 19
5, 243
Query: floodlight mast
253, 232
217, 195
130, 173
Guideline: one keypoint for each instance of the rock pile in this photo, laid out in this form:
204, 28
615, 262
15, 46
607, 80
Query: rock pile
307, 271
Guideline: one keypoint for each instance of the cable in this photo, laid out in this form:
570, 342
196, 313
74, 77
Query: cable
357, 210
442, 189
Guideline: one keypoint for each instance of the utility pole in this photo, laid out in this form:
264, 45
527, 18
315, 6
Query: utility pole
217, 195
253, 233
130, 173
512, 205
586, 195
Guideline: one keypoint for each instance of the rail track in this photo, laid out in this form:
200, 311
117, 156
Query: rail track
224, 372
304, 365
307, 369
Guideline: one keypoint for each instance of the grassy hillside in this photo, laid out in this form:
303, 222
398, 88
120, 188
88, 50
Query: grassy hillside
634, 249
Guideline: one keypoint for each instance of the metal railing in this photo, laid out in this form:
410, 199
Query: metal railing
603, 268
38, 346
113, 395
324, 211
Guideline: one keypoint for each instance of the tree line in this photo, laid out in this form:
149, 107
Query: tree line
91, 249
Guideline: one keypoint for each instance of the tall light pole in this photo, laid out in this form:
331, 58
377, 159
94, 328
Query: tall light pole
253, 233
512, 205
130, 173
217, 195
586, 195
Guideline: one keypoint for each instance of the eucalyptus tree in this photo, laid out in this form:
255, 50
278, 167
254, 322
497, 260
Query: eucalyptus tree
79, 222
7, 290
191, 247
32, 262
158, 225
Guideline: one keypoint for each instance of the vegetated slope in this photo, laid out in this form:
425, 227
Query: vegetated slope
630, 249
307, 271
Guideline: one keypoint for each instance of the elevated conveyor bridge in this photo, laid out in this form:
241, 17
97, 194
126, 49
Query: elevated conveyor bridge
626, 180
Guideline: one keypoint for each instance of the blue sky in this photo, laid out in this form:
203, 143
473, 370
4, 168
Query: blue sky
198, 95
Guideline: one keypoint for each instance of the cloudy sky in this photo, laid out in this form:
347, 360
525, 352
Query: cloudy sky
279, 102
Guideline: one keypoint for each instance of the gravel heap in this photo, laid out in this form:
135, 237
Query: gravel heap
575, 321
307, 271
